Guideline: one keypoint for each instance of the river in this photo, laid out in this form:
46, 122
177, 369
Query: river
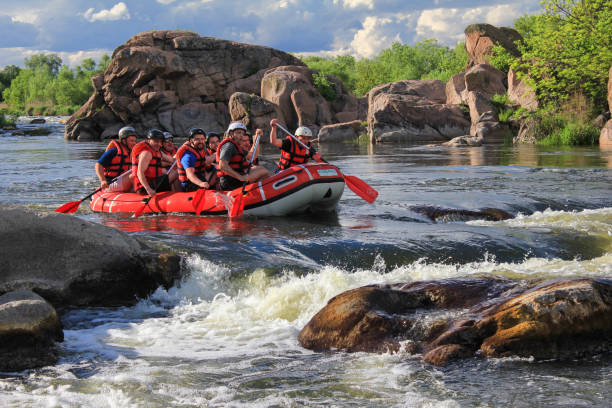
227, 334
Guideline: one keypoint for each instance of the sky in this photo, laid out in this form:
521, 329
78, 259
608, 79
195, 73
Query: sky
78, 29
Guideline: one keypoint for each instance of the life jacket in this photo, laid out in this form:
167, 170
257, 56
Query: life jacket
297, 155
238, 162
155, 168
200, 164
121, 162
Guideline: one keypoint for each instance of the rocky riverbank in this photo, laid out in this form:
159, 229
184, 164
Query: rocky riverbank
56, 261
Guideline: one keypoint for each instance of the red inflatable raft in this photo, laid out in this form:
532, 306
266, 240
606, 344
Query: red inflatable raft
315, 187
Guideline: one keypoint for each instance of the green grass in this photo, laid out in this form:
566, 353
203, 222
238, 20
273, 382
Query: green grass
572, 133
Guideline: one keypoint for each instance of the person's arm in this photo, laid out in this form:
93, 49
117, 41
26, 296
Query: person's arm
100, 174
188, 162
273, 139
144, 159
166, 158
225, 167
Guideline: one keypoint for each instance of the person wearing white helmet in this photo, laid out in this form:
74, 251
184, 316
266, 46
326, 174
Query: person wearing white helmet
292, 153
234, 161
116, 159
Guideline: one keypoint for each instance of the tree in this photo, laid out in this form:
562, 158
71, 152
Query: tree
7, 75
50, 63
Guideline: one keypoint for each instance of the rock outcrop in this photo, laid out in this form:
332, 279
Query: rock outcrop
520, 93
605, 138
413, 111
172, 80
480, 39
481, 316
342, 132
72, 262
29, 328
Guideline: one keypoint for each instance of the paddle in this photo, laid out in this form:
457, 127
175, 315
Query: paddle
145, 201
72, 206
238, 207
357, 185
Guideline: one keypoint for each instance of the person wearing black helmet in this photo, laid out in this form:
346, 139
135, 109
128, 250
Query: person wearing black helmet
195, 168
147, 167
169, 148
116, 159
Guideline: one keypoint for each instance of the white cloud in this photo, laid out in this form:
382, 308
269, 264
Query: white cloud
356, 3
118, 12
28, 17
16, 55
165, 2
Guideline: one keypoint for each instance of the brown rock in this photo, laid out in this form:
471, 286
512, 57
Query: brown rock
442, 355
479, 105
254, 111
485, 79
277, 87
172, 80
556, 319
520, 93
454, 88
605, 137
610, 90
341, 132
480, 39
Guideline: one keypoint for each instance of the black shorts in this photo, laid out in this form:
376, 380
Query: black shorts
229, 183
160, 184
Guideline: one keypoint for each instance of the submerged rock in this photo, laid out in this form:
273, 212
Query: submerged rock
485, 316
72, 262
29, 328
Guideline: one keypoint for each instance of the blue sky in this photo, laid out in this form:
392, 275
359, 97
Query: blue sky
77, 29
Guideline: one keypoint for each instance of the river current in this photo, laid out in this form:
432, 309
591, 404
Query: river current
227, 334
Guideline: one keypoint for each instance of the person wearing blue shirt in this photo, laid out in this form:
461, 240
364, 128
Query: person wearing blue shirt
195, 167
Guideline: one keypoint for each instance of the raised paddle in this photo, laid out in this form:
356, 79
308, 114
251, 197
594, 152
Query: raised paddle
238, 207
72, 206
357, 185
145, 201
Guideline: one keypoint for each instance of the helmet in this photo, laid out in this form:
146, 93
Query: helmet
126, 131
168, 135
196, 131
303, 131
236, 125
155, 134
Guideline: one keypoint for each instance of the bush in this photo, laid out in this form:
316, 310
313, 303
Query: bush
324, 86
6, 120
572, 134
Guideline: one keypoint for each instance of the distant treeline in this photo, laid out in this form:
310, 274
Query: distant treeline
425, 60
46, 87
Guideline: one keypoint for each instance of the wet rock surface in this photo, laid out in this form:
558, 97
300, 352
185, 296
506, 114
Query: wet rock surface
457, 318
72, 262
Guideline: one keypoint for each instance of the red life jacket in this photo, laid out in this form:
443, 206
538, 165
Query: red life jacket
155, 168
238, 162
297, 155
121, 162
200, 164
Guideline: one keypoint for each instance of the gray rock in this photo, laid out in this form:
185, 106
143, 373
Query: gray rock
72, 262
341, 132
29, 328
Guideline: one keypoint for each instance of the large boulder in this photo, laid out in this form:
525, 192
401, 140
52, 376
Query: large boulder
493, 317
610, 90
29, 328
72, 262
480, 39
413, 111
154, 75
605, 137
341, 132
520, 93
454, 89
485, 79
255, 112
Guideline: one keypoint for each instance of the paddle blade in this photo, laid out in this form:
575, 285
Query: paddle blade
238, 207
69, 208
361, 188
199, 201
141, 209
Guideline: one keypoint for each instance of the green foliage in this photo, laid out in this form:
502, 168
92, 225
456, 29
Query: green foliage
46, 87
324, 86
425, 60
572, 133
5, 119
7, 75
567, 50
501, 58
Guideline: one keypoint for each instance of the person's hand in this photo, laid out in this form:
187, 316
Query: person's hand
317, 157
259, 131
209, 159
103, 184
273, 122
204, 185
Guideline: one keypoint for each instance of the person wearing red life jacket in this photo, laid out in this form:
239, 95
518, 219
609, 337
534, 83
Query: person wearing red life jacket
195, 168
233, 162
169, 148
150, 176
292, 153
247, 143
116, 159
212, 142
